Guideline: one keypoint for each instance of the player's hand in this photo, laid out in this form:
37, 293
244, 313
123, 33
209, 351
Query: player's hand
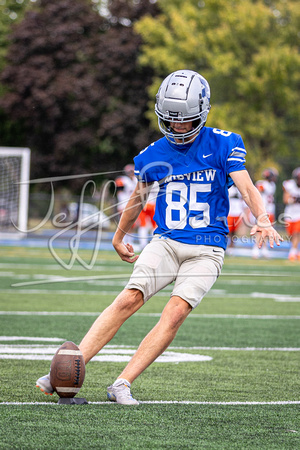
125, 251
266, 233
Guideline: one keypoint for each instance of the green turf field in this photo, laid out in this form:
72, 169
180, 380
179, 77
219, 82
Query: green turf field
230, 379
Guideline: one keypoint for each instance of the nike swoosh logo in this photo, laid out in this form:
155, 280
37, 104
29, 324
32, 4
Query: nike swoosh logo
206, 156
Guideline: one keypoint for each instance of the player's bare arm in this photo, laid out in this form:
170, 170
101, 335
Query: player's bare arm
253, 199
128, 218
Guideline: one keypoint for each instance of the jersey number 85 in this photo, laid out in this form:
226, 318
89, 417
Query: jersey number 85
177, 198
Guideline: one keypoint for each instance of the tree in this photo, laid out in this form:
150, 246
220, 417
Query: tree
248, 51
11, 12
74, 84
124, 128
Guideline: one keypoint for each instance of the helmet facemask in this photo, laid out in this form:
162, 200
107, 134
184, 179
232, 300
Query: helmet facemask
183, 97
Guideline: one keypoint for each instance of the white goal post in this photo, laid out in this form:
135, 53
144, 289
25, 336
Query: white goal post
14, 190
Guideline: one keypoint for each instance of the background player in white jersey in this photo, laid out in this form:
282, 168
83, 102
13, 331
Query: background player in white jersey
235, 216
125, 185
194, 166
146, 222
267, 189
291, 198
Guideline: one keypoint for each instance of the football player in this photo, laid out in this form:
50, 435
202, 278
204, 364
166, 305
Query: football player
267, 189
125, 185
291, 198
235, 216
146, 223
194, 166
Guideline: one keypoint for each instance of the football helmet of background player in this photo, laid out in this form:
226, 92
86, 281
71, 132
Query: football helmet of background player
296, 175
129, 170
270, 174
183, 96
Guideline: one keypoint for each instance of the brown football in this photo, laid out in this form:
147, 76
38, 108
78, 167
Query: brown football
67, 370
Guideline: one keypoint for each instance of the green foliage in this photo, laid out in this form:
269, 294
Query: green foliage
249, 52
72, 81
11, 12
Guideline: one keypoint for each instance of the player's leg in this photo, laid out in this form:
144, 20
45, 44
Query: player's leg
143, 283
152, 346
294, 252
199, 268
158, 339
293, 230
154, 269
110, 320
103, 329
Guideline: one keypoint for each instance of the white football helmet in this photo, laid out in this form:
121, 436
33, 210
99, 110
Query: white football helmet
183, 96
270, 174
296, 175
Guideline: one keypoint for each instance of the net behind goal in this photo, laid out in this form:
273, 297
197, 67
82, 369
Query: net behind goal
14, 173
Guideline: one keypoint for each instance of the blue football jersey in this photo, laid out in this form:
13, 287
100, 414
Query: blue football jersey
192, 205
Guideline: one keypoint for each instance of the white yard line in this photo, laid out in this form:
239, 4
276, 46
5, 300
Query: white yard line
276, 297
57, 292
191, 316
159, 402
254, 282
126, 275
214, 293
243, 349
58, 267
117, 266
47, 349
32, 339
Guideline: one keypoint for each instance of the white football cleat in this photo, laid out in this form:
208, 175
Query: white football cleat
119, 392
44, 384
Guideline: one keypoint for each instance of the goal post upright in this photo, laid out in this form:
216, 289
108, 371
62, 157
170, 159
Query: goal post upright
24, 190
14, 191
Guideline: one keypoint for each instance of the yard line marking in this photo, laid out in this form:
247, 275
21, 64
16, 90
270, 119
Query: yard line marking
45, 353
47, 313
242, 316
244, 349
126, 275
263, 282
276, 297
108, 349
100, 267
287, 300
115, 265
24, 338
62, 292
286, 349
167, 357
191, 316
161, 402
217, 293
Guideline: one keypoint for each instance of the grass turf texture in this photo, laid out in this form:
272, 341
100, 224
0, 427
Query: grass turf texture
231, 376
150, 426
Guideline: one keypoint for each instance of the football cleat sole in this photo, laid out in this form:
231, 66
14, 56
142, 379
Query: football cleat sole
42, 390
